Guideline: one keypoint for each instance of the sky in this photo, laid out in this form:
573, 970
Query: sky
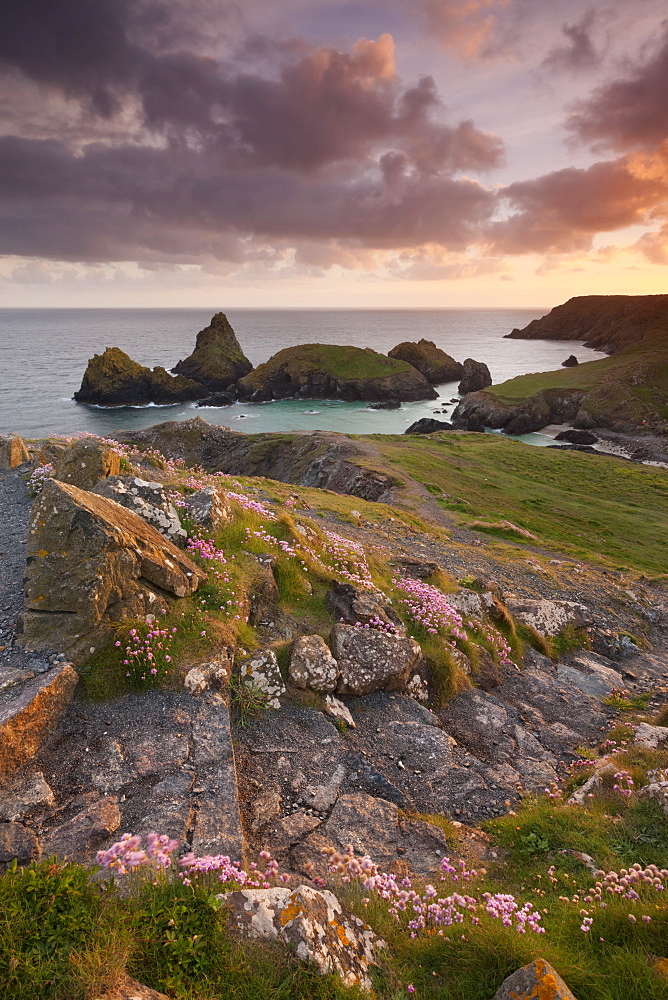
333, 153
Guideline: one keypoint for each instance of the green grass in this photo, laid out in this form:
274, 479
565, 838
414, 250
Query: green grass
603, 509
341, 362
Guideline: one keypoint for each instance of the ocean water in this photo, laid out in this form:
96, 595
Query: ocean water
43, 355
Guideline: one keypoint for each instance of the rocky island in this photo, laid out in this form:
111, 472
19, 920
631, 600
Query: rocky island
217, 361
114, 379
298, 666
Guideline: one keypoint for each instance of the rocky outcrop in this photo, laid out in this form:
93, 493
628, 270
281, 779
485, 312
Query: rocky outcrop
147, 500
114, 379
217, 361
570, 362
605, 322
312, 665
427, 425
484, 409
13, 451
549, 617
86, 462
91, 563
436, 366
313, 924
31, 715
321, 371
208, 508
370, 660
355, 605
535, 981
475, 376
577, 437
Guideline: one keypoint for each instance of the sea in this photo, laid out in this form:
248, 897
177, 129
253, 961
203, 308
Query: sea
44, 352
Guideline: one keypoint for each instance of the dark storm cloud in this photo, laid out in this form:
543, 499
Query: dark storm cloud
630, 111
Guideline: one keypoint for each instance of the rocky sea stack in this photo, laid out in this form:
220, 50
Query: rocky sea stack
114, 379
323, 371
217, 361
436, 366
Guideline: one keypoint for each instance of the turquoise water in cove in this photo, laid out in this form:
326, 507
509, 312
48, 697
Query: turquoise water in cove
43, 355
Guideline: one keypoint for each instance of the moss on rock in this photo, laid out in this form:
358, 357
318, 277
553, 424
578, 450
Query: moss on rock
114, 379
436, 366
217, 361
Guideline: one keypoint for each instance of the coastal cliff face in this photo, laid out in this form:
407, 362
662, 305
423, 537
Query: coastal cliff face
217, 361
607, 323
322, 371
114, 379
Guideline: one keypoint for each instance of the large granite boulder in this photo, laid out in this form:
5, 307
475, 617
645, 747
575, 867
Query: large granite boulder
536, 981
28, 718
475, 377
217, 361
114, 379
146, 499
313, 924
13, 451
86, 462
436, 366
370, 660
91, 563
327, 371
312, 665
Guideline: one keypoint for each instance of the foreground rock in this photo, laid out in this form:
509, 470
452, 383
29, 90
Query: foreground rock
147, 500
436, 366
28, 718
536, 981
217, 361
312, 665
13, 451
130, 989
313, 924
91, 563
86, 462
321, 371
570, 362
549, 617
427, 425
576, 437
370, 660
114, 379
475, 376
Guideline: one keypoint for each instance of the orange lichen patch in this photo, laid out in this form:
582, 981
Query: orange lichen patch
660, 965
341, 933
42, 553
291, 911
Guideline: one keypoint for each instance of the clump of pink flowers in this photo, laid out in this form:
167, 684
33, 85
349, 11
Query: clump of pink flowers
377, 624
623, 784
429, 607
38, 477
205, 548
127, 854
147, 651
247, 503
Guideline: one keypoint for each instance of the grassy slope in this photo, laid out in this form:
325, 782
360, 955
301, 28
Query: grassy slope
635, 382
342, 362
597, 508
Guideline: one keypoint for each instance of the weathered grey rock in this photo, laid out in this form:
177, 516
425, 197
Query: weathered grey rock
91, 563
265, 807
536, 981
476, 376
591, 785
28, 719
262, 672
83, 833
214, 675
337, 710
86, 462
284, 833
313, 923
13, 451
549, 617
168, 808
657, 790
11, 677
16, 842
468, 602
147, 500
312, 665
209, 508
217, 827
590, 674
28, 794
370, 660
650, 737
349, 605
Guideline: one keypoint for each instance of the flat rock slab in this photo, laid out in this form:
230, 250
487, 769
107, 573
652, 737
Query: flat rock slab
313, 924
549, 617
536, 981
592, 674
27, 720
650, 737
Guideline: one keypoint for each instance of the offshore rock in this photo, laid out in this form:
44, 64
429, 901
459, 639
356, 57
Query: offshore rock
436, 366
312, 665
536, 981
217, 399
217, 361
27, 720
550, 406
147, 500
370, 660
91, 563
313, 923
570, 362
577, 437
13, 451
427, 425
86, 462
323, 371
114, 379
475, 376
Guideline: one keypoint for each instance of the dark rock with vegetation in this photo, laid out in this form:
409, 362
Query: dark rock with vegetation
570, 362
577, 437
436, 366
427, 425
114, 379
86, 462
217, 361
607, 323
475, 376
386, 404
323, 371
217, 399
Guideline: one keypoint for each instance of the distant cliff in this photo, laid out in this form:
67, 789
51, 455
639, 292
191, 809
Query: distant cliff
607, 323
